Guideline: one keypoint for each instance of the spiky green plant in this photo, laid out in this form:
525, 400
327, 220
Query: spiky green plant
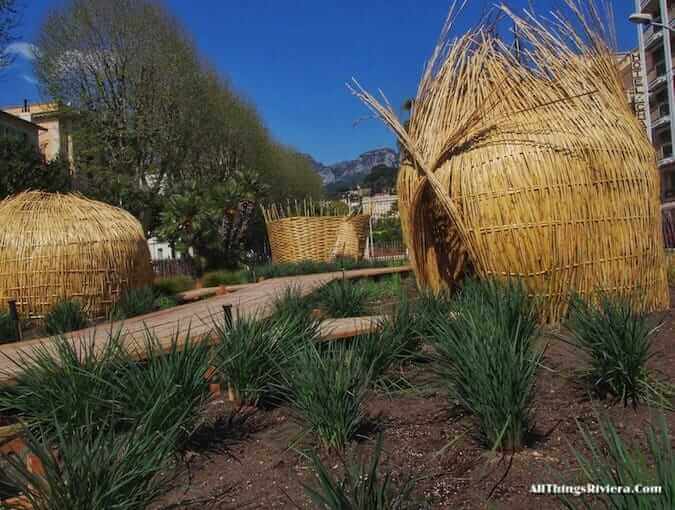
291, 304
343, 299
613, 462
95, 467
429, 307
252, 354
65, 384
67, 315
362, 487
617, 343
133, 302
168, 387
485, 353
327, 390
395, 341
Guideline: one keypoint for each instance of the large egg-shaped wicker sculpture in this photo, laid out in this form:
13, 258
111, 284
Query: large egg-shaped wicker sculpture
55, 246
529, 164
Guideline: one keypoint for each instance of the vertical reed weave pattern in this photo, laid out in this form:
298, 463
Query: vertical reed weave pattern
530, 166
55, 246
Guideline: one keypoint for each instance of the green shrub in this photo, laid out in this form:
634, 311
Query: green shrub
65, 385
386, 288
7, 328
617, 343
327, 390
67, 315
252, 354
612, 462
362, 487
96, 467
223, 277
173, 285
164, 302
134, 302
487, 357
343, 299
311, 267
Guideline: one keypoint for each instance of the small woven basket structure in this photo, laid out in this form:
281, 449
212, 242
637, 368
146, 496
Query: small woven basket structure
314, 231
528, 163
55, 246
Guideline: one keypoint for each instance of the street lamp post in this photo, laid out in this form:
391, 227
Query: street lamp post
647, 20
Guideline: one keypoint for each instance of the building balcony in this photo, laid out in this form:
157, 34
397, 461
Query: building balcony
664, 153
653, 36
660, 116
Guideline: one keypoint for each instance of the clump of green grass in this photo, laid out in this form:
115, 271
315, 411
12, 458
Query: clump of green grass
361, 487
168, 388
67, 315
252, 354
172, 285
612, 462
343, 298
617, 343
430, 307
486, 355
291, 304
386, 288
225, 277
62, 388
394, 342
164, 302
326, 392
133, 302
70, 383
95, 467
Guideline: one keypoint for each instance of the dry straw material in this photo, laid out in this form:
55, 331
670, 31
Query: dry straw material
55, 246
314, 231
525, 161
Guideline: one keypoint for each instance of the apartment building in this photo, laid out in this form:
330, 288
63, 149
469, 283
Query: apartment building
655, 47
56, 135
20, 129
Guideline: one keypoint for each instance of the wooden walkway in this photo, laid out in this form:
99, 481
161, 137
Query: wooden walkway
251, 300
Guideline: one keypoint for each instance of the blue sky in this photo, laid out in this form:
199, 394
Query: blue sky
293, 57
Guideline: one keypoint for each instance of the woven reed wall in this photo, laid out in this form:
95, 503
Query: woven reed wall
535, 171
317, 238
55, 246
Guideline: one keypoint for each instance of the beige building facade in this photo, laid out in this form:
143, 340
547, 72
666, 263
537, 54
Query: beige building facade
56, 135
15, 127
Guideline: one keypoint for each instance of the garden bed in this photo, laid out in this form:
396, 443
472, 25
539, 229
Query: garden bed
426, 438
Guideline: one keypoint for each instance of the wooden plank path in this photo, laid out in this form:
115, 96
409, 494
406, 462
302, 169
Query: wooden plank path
251, 300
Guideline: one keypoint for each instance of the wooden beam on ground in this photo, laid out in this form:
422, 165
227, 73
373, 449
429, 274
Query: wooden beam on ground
337, 329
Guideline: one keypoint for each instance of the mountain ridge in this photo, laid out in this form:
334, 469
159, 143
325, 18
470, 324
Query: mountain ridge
355, 169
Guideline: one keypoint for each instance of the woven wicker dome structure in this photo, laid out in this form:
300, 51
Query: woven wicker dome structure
58, 246
530, 166
303, 232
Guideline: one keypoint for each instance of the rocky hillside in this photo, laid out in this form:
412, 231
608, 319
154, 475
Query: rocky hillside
355, 170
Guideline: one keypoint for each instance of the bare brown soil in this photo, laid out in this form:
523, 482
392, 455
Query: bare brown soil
257, 464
